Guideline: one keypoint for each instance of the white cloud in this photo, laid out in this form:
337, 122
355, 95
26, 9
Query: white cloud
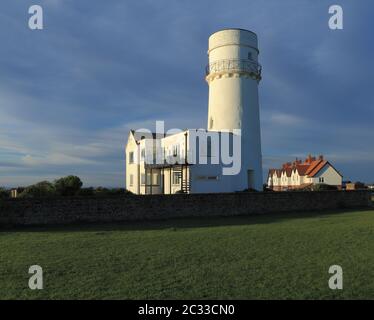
284, 119
54, 159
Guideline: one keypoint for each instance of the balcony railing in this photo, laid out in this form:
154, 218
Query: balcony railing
232, 65
165, 161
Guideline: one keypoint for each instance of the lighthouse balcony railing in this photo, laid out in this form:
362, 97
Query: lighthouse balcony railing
165, 162
234, 65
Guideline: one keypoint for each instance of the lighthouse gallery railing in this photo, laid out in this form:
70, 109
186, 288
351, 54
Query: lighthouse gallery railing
233, 65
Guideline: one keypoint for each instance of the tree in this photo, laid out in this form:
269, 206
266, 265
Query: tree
68, 186
103, 192
39, 190
4, 193
360, 185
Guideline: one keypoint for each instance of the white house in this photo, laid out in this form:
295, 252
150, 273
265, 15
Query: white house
158, 163
300, 174
184, 162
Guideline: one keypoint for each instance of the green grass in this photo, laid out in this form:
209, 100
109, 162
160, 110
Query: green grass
278, 257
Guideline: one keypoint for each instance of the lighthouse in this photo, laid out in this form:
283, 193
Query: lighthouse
206, 161
233, 74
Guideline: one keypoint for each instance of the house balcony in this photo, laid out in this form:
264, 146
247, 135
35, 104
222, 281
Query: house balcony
166, 162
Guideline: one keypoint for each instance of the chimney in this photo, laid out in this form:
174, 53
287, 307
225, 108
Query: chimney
320, 157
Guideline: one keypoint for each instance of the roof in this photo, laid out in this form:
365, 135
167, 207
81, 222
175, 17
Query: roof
241, 29
271, 172
315, 167
310, 167
138, 135
301, 169
278, 172
288, 172
154, 135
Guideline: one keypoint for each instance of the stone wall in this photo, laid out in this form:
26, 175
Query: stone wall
153, 207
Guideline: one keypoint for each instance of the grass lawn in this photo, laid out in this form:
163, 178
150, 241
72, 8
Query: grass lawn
278, 257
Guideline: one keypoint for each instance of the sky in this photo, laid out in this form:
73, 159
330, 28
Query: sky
70, 93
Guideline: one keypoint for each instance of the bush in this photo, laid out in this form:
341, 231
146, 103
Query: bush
86, 192
101, 191
68, 186
20, 190
360, 185
39, 190
4, 193
323, 187
118, 191
65, 186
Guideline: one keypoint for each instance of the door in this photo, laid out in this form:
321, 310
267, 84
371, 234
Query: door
251, 179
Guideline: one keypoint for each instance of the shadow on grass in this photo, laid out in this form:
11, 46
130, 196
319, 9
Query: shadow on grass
180, 223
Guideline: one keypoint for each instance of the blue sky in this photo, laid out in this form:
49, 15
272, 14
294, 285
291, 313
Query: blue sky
70, 92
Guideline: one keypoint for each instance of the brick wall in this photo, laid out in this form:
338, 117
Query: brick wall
131, 207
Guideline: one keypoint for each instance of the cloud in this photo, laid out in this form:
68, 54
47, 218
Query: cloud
70, 93
283, 119
54, 159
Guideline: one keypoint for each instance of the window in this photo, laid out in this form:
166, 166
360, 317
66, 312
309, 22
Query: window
209, 147
131, 157
156, 179
207, 178
176, 150
249, 55
148, 179
142, 179
176, 177
131, 180
200, 177
212, 177
251, 179
321, 179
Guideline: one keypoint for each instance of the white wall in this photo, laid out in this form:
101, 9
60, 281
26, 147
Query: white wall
330, 176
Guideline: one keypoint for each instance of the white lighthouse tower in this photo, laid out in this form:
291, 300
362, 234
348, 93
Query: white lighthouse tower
233, 75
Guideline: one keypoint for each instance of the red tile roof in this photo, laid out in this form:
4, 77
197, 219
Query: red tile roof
313, 170
310, 167
301, 169
288, 171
